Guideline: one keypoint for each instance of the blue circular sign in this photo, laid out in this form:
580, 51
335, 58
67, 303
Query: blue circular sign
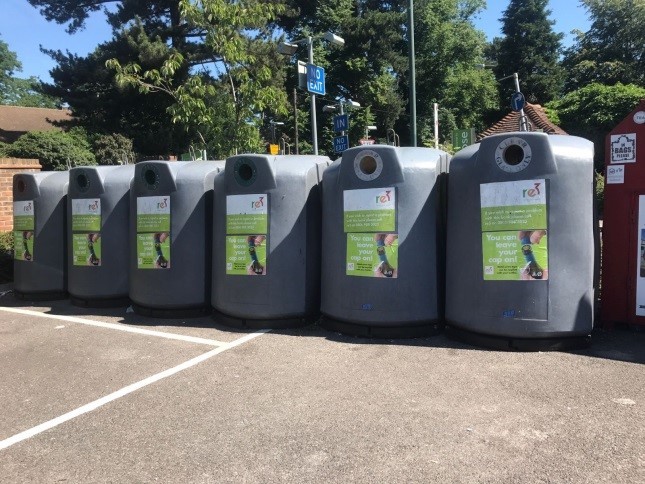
517, 101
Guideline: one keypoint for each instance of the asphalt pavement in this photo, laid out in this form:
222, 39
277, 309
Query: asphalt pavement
104, 395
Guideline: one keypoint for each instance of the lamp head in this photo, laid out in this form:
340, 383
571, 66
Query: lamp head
285, 48
334, 39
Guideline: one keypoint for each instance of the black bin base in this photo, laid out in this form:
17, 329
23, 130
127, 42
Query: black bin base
175, 313
112, 302
518, 344
247, 323
41, 296
423, 330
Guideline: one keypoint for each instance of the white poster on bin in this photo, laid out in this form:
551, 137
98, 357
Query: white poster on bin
640, 266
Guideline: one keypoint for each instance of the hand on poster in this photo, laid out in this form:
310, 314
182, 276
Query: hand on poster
93, 259
160, 261
384, 269
533, 270
255, 268
26, 235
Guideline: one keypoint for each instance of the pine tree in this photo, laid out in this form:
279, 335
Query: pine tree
531, 48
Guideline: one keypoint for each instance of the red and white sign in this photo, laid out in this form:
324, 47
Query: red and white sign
366, 141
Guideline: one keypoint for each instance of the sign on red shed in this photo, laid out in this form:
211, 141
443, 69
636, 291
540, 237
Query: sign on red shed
623, 263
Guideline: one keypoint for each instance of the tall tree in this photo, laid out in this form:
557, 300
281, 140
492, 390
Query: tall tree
18, 91
531, 48
613, 49
224, 110
102, 107
372, 67
448, 49
594, 110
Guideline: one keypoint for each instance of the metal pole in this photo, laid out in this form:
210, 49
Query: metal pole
342, 133
523, 125
314, 128
412, 75
295, 116
435, 110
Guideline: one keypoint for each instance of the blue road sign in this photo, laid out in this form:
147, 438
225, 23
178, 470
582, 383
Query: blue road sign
315, 79
517, 101
341, 143
341, 123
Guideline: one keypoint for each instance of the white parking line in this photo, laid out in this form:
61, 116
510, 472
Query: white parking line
118, 327
125, 391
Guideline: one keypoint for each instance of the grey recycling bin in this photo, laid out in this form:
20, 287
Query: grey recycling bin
98, 204
521, 242
382, 262
266, 242
171, 208
40, 266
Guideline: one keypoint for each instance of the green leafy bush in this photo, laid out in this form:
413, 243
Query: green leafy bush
3, 149
54, 149
6, 257
113, 149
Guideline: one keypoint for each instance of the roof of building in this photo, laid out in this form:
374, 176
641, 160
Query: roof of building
511, 122
17, 120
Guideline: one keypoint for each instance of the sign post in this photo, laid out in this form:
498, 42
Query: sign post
341, 143
315, 79
462, 138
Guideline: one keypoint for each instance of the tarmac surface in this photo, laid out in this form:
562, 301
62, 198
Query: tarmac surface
102, 395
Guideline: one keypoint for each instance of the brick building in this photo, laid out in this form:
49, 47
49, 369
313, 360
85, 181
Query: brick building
14, 122
511, 122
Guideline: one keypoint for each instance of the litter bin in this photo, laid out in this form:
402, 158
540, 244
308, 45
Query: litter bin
171, 207
40, 266
98, 235
521, 242
382, 262
266, 242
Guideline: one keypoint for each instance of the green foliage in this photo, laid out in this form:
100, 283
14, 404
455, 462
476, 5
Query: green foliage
226, 108
3, 149
103, 107
594, 110
612, 50
6, 257
54, 149
113, 149
600, 192
530, 48
15, 91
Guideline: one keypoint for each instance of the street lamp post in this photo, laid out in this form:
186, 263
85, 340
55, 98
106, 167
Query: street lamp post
289, 48
332, 107
273, 125
412, 75
523, 120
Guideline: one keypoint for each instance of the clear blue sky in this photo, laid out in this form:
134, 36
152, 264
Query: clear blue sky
24, 29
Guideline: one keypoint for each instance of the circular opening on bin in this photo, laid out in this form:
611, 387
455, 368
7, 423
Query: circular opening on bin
21, 186
368, 165
83, 182
514, 155
245, 171
150, 176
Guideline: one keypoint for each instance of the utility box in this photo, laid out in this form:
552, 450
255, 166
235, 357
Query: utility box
521, 242
383, 239
98, 213
623, 233
171, 210
266, 242
40, 265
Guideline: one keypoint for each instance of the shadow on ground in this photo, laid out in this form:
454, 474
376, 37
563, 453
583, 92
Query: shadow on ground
623, 343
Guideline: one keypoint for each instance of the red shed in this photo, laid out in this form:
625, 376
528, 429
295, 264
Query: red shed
623, 263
